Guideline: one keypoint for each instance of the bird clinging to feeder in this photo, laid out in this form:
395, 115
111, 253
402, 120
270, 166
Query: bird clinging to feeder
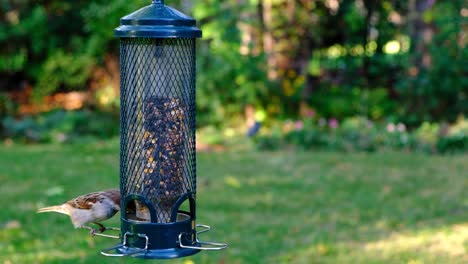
89, 208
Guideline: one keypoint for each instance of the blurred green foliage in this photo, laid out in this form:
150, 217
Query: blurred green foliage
55, 44
439, 90
338, 102
397, 59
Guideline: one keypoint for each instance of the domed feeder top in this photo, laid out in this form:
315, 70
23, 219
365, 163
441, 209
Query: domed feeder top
157, 21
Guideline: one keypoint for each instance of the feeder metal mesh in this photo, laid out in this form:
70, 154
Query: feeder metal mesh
158, 121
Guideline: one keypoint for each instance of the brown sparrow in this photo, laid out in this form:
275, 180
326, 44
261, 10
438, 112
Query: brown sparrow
89, 208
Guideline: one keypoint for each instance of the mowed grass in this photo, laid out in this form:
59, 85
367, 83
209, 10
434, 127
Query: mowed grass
281, 207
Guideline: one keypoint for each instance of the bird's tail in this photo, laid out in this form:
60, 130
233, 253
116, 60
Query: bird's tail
57, 208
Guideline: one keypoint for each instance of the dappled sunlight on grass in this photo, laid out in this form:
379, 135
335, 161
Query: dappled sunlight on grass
232, 181
450, 241
437, 245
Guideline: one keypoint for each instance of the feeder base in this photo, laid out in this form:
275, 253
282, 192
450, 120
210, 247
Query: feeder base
168, 253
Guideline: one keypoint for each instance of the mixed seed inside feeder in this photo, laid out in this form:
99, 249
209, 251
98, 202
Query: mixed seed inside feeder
163, 156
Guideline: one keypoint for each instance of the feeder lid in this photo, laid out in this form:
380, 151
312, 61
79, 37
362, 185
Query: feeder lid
157, 21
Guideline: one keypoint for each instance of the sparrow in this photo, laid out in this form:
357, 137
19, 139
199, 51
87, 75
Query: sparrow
89, 208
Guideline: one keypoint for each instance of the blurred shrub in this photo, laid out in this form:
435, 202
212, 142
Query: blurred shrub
61, 126
54, 45
361, 134
307, 138
340, 102
63, 70
358, 133
7, 106
229, 82
456, 139
427, 136
274, 140
107, 98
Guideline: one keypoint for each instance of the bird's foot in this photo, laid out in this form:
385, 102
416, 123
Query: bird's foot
102, 228
92, 231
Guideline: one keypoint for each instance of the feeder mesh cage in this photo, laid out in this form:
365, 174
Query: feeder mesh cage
157, 122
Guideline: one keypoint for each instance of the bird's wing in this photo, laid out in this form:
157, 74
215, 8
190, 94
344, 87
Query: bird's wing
85, 201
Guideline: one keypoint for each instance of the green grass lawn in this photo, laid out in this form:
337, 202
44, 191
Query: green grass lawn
282, 207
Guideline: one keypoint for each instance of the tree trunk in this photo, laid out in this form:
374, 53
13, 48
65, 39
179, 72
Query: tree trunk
268, 40
420, 34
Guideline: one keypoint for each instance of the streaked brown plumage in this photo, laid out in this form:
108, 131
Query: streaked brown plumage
89, 208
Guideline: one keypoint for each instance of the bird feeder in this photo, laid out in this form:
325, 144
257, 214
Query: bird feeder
157, 142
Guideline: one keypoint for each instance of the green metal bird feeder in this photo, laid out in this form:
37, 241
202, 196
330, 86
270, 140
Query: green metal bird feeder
157, 142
